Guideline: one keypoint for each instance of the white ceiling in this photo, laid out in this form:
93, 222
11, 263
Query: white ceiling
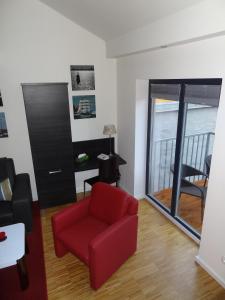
109, 19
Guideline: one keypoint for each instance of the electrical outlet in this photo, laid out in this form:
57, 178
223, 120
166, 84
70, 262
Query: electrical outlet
223, 259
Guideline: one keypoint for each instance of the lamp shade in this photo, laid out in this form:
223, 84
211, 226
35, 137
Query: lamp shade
109, 129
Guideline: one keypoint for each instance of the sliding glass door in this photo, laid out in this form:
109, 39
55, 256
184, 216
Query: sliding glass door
181, 129
201, 105
163, 130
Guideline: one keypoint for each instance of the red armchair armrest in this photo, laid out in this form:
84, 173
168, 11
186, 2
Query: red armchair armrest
66, 218
111, 248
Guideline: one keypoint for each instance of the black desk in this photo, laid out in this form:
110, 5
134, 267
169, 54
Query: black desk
93, 163
93, 148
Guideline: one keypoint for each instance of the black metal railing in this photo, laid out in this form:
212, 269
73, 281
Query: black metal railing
196, 148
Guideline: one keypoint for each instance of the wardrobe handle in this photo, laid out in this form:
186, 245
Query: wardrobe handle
54, 172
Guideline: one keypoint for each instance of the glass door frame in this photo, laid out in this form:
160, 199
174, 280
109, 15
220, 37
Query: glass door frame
181, 124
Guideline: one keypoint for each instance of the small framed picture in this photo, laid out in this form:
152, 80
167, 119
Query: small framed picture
3, 127
82, 78
1, 102
84, 107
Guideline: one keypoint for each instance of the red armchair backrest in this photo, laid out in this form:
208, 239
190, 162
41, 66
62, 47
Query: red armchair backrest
109, 204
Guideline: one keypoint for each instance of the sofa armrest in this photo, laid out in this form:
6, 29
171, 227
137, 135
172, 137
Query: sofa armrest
22, 188
70, 215
10, 169
111, 248
22, 201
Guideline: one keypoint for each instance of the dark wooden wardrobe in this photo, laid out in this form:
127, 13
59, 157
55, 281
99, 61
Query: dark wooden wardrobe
48, 120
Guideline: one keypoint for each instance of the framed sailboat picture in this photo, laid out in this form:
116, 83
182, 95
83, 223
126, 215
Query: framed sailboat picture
84, 107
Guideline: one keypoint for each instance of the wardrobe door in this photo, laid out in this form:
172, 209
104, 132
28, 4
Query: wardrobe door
48, 119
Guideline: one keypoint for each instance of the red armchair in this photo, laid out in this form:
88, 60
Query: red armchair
100, 230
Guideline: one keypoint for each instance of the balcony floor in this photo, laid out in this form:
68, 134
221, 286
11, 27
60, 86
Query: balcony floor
189, 208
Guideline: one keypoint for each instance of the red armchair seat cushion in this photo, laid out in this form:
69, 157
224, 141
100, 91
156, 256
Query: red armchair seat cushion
76, 238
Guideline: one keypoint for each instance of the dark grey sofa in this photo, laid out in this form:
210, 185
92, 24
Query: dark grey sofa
19, 209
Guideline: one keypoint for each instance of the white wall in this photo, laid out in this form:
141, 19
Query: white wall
39, 45
203, 59
197, 22
141, 115
197, 39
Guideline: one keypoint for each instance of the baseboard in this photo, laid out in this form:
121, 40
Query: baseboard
140, 196
122, 187
80, 189
182, 228
209, 270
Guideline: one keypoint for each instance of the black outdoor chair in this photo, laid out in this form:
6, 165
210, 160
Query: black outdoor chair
108, 172
208, 164
190, 188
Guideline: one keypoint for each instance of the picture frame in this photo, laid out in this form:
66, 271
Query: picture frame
84, 107
3, 126
82, 77
1, 101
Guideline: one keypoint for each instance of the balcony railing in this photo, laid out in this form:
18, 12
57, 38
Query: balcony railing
196, 148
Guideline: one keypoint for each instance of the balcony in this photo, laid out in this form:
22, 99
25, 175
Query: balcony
196, 148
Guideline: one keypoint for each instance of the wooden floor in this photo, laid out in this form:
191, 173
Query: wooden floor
163, 267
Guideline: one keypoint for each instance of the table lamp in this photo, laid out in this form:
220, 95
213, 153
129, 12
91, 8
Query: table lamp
109, 130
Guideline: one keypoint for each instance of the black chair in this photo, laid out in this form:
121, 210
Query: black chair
19, 209
108, 172
208, 164
190, 188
